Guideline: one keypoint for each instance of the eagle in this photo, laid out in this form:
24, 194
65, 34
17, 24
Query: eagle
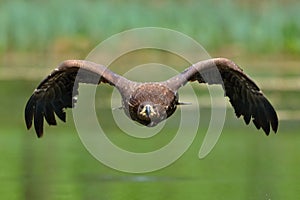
148, 103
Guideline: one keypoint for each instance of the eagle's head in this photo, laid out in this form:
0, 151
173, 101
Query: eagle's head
151, 114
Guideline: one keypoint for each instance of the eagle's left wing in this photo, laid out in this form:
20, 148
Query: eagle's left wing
244, 95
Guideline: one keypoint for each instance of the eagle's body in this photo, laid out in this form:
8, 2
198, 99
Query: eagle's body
159, 96
148, 103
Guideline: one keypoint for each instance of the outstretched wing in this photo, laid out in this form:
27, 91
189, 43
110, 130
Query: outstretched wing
59, 90
244, 95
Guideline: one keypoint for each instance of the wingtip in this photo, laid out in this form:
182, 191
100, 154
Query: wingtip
28, 126
266, 129
275, 123
28, 121
39, 134
39, 131
267, 132
275, 127
29, 110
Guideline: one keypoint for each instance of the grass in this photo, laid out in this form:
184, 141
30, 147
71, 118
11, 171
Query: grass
269, 26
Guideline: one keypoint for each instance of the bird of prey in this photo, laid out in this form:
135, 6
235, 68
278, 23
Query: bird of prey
151, 102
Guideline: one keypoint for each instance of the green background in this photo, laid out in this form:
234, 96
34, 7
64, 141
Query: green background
261, 36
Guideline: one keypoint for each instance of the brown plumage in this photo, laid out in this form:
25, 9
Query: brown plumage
147, 103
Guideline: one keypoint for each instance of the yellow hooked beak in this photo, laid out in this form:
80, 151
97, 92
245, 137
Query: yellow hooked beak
147, 111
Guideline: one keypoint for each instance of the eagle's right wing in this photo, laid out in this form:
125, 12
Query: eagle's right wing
59, 90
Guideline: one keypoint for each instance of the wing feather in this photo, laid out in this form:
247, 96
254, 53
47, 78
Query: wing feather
49, 114
39, 118
59, 89
244, 95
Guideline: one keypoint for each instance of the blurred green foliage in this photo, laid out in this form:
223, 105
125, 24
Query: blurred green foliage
268, 26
